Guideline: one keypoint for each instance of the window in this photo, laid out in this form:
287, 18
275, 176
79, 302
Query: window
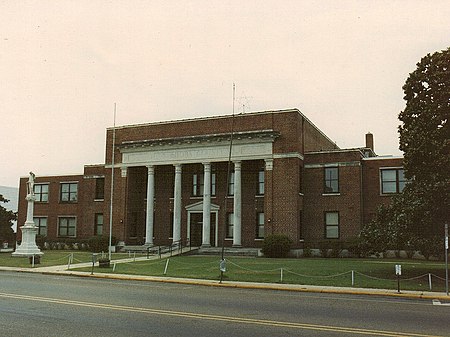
332, 225
331, 180
231, 184
260, 226
261, 182
67, 226
392, 180
41, 224
195, 185
98, 229
230, 225
99, 188
41, 192
198, 184
69, 192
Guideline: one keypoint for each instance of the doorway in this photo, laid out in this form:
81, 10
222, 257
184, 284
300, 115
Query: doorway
196, 229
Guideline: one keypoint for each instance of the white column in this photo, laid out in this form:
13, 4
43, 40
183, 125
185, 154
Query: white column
206, 234
176, 236
237, 205
150, 205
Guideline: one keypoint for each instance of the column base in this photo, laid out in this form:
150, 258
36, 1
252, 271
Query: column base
205, 246
237, 246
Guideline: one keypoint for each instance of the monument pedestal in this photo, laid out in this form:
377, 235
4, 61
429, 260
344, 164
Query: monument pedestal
28, 246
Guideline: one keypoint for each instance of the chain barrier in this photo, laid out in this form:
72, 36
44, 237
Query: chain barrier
252, 270
318, 276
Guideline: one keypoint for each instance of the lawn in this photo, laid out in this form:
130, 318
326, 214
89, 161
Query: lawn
52, 258
367, 273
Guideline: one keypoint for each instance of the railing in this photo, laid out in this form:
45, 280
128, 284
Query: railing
173, 247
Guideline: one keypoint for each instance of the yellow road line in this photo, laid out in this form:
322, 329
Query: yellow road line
241, 320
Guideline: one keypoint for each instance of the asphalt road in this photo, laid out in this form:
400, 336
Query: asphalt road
47, 305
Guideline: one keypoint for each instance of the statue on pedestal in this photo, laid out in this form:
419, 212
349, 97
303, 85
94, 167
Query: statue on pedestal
30, 184
28, 246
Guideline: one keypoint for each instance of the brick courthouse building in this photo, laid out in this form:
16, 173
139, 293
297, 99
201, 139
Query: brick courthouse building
172, 182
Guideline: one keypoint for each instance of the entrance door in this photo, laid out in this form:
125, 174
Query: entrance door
197, 229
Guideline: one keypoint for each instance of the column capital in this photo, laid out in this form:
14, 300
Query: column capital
151, 169
237, 164
123, 172
269, 164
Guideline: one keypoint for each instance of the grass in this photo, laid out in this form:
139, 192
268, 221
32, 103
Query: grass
51, 258
368, 273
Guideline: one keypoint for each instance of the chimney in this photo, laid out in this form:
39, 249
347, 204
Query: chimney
369, 141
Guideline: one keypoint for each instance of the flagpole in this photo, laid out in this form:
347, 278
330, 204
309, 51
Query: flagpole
222, 255
112, 185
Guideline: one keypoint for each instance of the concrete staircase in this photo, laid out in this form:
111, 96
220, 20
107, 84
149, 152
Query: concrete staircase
229, 251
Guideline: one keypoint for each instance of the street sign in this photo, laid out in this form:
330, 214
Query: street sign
223, 266
398, 269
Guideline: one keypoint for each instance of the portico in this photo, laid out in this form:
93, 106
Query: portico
211, 152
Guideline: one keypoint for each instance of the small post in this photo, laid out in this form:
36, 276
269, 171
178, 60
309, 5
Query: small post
68, 264
281, 275
32, 263
94, 258
134, 257
223, 268
114, 267
353, 278
148, 253
429, 281
159, 251
446, 258
167, 265
398, 272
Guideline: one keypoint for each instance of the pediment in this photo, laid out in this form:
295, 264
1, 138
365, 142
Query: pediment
198, 207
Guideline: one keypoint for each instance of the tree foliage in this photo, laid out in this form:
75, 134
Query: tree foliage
415, 219
6, 221
425, 141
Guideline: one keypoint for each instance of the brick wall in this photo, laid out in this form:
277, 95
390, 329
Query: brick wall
372, 188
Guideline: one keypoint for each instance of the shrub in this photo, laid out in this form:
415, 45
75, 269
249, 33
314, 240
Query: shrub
323, 247
336, 248
40, 241
276, 245
307, 251
99, 244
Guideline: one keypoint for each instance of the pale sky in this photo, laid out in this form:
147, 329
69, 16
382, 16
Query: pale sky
63, 65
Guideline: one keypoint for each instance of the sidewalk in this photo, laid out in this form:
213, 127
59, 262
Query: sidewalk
62, 270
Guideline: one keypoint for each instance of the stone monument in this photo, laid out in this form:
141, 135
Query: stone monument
28, 246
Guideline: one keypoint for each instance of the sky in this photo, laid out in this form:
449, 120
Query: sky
64, 64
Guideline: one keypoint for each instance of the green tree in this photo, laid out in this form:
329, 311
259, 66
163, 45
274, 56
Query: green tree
6, 221
425, 141
415, 219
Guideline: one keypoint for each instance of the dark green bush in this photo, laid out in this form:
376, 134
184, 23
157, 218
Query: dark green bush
99, 244
276, 245
40, 241
307, 251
